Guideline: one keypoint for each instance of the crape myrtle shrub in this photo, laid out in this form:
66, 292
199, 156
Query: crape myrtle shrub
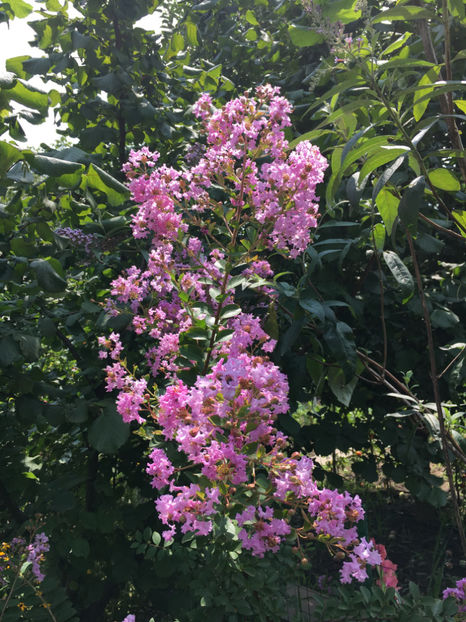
218, 395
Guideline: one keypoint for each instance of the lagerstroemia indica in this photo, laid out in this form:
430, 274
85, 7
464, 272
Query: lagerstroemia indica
211, 226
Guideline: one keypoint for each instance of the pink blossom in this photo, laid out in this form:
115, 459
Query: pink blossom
189, 506
261, 531
35, 554
160, 468
458, 593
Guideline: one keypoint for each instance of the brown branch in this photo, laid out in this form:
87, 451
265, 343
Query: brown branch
64, 339
435, 388
453, 234
395, 388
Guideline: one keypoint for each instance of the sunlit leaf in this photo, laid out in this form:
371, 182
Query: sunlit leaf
444, 179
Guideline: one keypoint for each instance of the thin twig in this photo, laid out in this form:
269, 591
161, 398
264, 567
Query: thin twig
453, 234
45, 604
452, 362
10, 594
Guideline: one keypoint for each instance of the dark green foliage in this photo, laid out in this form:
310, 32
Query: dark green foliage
64, 453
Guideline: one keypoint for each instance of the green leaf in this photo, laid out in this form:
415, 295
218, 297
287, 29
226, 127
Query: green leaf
368, 470
341, 389
419, 107
108, 432
312, 306
53, 166
301, 36
77, 413
461, 103
444, 179
405, 12
437, 497
27, 410
29, 96
396, 45
340, 339
440, 87
251, 18
456, 8
47, 277
199, 334
30, 346
384, 154
444, 318
399, 271
47, 327
177, 42
9, 351
8, 156
22, 248
15, 64
378, 232
460, 217
343, 11
37, 65
251, 35
411, 203
386, 176
53, 5
20, 8
110, 181
20, 172
191, 33
79, 547
231, 310
98, 179
80, 41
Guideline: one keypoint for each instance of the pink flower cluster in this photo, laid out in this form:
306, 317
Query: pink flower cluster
279, 195
458, 593
189, 506
209, 227
34, 553
264, 532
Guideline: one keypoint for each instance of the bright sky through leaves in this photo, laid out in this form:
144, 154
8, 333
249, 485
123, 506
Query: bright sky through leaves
14, 41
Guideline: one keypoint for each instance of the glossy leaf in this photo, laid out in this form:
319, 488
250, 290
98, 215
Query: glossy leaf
399, 271
444, 179
302, 36
427, 79
108, 432
411, 203
404, 12
47, 277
